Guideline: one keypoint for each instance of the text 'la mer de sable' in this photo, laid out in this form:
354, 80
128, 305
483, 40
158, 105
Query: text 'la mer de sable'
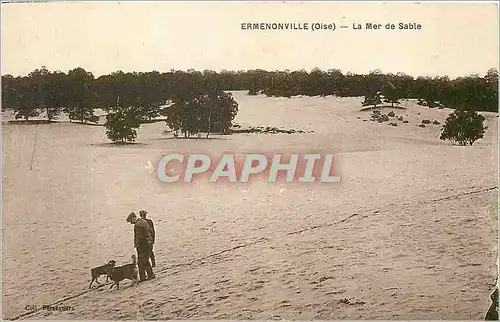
388, 26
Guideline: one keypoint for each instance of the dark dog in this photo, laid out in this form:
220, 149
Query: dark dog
100, 270
128, 271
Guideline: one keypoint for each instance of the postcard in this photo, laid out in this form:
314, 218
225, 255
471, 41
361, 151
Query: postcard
249, 160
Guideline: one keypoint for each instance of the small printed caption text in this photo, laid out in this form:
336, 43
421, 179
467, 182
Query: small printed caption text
329, 26
49, 308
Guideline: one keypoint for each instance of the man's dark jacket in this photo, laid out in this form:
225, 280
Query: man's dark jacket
152, 226
143, 236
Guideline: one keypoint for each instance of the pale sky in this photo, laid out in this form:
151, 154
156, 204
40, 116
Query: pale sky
457, 39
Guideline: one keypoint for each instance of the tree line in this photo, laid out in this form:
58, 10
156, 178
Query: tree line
195, 102
474, 91
191, 102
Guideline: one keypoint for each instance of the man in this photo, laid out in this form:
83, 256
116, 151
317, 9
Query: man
142, 242
143, 213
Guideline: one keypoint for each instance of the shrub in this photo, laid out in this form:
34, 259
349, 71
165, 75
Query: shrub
372, 99
464, 126
209, 113
121, 124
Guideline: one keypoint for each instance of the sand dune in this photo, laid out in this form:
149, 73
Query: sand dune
409, 233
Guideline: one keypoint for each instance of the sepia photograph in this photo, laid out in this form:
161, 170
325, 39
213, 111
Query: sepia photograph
272, 160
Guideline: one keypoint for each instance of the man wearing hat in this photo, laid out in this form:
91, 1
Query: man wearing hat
143, 213
142, 242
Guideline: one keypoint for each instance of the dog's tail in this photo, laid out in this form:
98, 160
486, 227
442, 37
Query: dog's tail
134, 260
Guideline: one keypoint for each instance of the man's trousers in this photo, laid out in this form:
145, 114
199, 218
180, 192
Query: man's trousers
143, 253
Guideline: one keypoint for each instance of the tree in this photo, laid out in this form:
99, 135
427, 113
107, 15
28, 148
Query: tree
38, 80
218, 113
210, 111
372, 99
25, 102
56, 94
81, 96
10, 92
121, 124
391, 94
491, 95
463, 126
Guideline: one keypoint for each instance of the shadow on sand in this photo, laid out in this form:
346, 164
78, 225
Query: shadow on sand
29, 122
370, 108
119, 145
37, 122
191, 138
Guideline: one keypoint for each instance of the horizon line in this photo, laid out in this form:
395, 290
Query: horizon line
220, 70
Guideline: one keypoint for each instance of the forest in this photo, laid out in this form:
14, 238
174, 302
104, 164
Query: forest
192, 101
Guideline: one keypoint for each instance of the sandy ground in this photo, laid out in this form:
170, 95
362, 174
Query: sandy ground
409, 233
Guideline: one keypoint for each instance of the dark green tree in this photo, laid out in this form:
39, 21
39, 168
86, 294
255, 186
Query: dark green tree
464, 126
491, 92
372, 99
26, 104
10, 92
202, 112
122, 124
218, 111
391, 94
56, 97
80, 96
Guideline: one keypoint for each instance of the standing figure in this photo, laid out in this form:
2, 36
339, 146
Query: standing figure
142, 242
143, 213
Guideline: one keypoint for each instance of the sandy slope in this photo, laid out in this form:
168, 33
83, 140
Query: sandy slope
410, 233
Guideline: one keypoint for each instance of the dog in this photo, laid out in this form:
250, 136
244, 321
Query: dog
100, 270
128, 271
